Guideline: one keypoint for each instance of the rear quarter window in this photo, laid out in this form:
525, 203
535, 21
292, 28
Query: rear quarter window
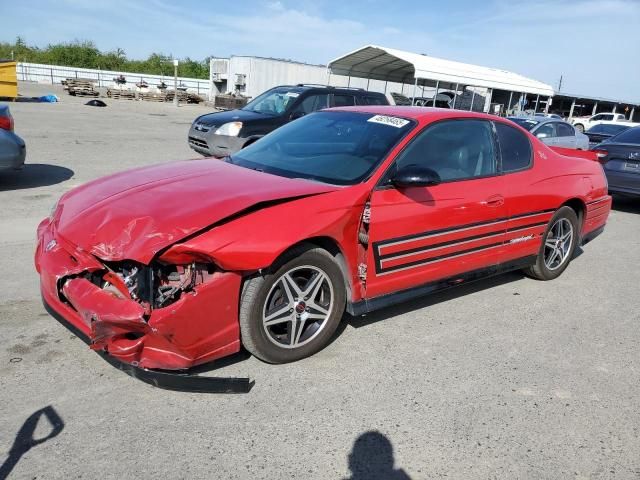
515, 148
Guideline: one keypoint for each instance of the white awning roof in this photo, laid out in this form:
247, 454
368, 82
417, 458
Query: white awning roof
389, 64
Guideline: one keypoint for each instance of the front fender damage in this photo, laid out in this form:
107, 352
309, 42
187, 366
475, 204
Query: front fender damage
189, 332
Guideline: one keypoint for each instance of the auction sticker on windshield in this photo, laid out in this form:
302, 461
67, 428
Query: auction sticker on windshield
391, 121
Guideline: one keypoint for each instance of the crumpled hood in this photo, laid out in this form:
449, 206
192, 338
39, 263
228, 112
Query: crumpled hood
134, 214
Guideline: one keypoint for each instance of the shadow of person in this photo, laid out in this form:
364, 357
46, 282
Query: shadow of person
372, 459
25, 439
33, 175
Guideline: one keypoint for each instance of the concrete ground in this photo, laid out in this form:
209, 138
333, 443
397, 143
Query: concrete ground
508, 378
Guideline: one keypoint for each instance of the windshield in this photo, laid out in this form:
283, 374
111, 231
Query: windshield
608, 129
273, 102
340, 148
525, 123
631, 135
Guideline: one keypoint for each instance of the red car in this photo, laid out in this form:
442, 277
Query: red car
175, 265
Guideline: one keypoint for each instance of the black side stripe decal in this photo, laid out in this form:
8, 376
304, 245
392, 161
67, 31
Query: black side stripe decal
380, 258
382, 243
436, 246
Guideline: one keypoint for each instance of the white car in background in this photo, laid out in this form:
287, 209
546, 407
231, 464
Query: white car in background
553, 132
585, 123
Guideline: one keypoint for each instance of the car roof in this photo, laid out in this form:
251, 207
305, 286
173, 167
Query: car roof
301, 87
421, 114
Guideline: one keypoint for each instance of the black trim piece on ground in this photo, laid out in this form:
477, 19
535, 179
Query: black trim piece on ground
182, 381
591, 235
368, 305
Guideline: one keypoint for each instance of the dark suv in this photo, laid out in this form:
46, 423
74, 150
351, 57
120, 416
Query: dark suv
224, 133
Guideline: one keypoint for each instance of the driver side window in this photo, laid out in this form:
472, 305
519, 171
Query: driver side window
454, 149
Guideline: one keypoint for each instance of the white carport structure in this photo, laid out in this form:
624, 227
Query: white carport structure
391, 65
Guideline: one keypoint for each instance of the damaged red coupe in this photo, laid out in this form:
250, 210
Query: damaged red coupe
175, 265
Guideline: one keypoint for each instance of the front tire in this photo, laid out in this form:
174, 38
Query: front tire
292, 311
558, 246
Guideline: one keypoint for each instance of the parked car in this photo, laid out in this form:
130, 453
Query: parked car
553, 132
548, 115
620, 158
603, 131
12, 148
224, 133
354, 209
585, 123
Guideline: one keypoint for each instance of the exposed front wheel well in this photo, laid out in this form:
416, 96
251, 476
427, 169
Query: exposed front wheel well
330, 245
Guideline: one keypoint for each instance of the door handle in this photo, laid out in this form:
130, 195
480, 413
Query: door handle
493, 201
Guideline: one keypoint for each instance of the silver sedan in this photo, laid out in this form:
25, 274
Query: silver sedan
554, 132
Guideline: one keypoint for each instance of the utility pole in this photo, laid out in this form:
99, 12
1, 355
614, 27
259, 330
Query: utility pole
175, 82
560, 83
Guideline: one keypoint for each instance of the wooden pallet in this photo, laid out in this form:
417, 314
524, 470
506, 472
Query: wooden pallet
121, 94
184, 97
153, 97
80, 87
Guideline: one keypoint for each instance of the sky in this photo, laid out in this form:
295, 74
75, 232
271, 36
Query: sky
593, 44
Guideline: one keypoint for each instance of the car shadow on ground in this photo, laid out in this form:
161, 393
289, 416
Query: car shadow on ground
626, 204
431, 299
33, 175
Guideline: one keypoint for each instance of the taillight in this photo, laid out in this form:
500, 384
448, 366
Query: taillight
601, 154
6, 123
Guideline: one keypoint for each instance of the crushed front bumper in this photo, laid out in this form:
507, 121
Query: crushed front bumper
201, 326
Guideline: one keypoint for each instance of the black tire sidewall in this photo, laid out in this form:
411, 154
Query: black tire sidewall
251, 319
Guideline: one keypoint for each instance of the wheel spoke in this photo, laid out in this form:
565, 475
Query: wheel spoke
550, 243
316, 316
279, 316
313, 305
313, 286
299, 332
291, 287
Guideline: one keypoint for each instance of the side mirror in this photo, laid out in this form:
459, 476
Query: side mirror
296, 115
415, 176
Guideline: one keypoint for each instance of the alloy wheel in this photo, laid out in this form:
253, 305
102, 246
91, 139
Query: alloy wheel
298, 306
557, 245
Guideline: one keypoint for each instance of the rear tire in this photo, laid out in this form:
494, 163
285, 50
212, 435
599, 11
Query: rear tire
292, 311
559, 242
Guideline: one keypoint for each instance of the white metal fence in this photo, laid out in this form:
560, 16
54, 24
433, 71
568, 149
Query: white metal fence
36, 72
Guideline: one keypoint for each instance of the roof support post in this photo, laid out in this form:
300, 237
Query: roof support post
415, 86
573, 105
455, 97
473, 98
535, 110
435, 96
510, 99
614, 108
633, 111
595, 108
349, 81
523, 100
487, 102
546, 107
385, 86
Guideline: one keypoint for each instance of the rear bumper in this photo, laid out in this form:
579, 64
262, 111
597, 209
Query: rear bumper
623, 182
199, 327
13, 151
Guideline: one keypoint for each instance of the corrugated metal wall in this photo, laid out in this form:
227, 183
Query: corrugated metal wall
261, 74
